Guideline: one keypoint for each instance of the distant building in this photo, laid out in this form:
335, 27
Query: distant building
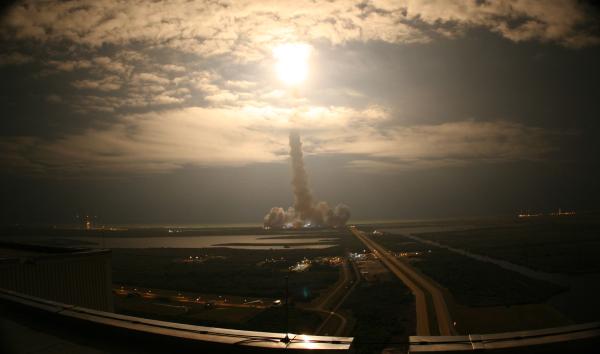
528, 215
560, 212
88, 222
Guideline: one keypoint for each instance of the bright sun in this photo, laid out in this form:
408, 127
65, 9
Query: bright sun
292, 62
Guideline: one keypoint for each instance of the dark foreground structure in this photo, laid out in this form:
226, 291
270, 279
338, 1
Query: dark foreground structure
59, 300
583, 338
77, 276
29, 324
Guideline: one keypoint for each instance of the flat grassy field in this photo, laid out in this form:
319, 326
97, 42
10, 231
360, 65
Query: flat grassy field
227, 271
472, 283
384, 313
493, 319
565, 244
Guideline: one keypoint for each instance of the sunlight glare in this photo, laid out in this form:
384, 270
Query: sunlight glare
292, 62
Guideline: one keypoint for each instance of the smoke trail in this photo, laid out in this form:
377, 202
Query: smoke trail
304, 213
302, 197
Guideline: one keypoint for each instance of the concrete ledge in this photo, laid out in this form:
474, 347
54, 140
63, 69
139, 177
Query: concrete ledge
576, 338
161, 334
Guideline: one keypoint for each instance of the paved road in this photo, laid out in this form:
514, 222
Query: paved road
346, 287
339, 293
344, 282
421, 287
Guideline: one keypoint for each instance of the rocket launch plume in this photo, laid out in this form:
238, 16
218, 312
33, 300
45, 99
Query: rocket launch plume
304, 213
302, 197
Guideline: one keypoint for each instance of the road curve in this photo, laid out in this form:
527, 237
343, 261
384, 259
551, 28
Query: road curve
344, 287
420, 287
342, 326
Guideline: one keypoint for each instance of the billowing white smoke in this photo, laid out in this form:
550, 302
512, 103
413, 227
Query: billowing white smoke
305, 213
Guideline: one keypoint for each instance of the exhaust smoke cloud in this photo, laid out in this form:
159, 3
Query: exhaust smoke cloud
304, 213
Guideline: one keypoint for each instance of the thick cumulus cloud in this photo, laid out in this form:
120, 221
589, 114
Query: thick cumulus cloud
182, 47
461, 140
161, 112
248, 29
166, 140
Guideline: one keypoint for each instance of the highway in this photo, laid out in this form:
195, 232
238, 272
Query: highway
329, 303
433, 317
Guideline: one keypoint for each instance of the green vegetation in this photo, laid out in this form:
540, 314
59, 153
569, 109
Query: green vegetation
472, 282
231, 271
238, 273
566, 244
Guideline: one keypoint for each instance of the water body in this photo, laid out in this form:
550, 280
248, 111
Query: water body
535, 274
249, 242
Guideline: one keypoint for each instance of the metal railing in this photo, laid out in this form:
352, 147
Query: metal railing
197, 334
575, 336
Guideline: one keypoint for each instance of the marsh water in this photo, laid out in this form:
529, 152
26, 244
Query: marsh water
232, 241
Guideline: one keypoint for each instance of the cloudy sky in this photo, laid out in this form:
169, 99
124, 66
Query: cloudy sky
172, 112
